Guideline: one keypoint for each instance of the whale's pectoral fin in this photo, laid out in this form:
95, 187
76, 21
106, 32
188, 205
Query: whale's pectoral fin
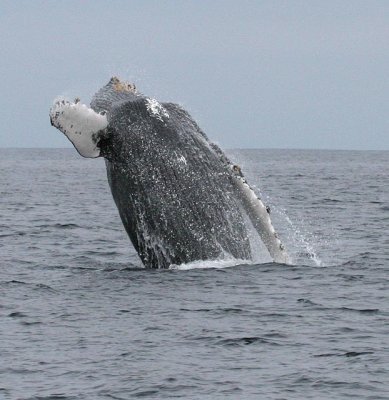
259, 216
81, 125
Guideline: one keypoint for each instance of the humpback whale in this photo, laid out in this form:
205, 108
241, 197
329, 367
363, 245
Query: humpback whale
179, 197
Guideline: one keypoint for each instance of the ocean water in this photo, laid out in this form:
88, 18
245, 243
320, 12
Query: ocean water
80, 319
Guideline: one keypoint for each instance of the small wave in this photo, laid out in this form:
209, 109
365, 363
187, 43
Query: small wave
29, 323
359, 259
349, 277
64, 226
347, 354
15, 282
328, 200
309, 303
217, 311
135, 268
53, 397
245, 341
13, 234
17, 314
33, 285
361, 311
59, 226
42, 286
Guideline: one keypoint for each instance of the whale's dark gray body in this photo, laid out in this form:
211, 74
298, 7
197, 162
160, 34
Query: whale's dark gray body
175, 190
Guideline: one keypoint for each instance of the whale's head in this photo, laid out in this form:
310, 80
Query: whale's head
114, 91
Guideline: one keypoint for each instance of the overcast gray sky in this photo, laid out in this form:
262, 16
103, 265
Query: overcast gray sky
254, 74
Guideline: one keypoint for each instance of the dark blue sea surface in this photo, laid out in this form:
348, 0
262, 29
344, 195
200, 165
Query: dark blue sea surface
80, 319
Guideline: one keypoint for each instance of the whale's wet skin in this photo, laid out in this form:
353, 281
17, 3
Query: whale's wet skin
179, 197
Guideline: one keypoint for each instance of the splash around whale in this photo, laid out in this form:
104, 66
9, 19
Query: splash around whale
179, 197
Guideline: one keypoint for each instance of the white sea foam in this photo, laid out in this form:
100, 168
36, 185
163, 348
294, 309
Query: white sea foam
206, 264
299, 239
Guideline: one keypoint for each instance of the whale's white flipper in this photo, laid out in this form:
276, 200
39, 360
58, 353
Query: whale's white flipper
82, 126
259, 216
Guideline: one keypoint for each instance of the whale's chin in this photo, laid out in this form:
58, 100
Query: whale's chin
81, 125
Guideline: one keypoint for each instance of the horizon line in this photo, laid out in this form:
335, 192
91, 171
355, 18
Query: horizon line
225, 148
